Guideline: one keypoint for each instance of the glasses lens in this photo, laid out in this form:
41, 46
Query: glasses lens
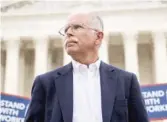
73, 27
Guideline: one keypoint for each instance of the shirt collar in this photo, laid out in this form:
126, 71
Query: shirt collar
77, 66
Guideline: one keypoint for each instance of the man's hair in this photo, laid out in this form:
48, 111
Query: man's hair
96, 22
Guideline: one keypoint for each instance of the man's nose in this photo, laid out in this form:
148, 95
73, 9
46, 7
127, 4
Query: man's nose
69, 31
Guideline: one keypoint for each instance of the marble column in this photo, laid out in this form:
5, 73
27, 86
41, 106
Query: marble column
131, 53
66, 58
12, 66
103, 51
41, 55
160, 57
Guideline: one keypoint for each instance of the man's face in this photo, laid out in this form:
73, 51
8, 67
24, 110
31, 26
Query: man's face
79, 37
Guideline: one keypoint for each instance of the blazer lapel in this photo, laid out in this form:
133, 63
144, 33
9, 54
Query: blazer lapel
64, 89
108, 80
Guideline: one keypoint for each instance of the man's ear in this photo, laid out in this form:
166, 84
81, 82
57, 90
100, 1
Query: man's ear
100, 35
99, 38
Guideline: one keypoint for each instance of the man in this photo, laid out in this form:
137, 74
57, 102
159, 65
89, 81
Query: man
87, 89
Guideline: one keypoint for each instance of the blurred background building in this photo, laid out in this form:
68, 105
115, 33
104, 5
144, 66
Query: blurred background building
135, 38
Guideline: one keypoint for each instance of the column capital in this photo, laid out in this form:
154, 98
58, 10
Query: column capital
157, 35
158, 31
12, 42
128, 35
38, 39
10, 38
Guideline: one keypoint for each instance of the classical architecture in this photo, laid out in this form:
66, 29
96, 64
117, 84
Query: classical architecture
135, 39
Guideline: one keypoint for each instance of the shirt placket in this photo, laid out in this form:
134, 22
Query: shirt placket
88, 110
91, 79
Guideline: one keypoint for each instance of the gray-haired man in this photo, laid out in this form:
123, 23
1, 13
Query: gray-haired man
87, 89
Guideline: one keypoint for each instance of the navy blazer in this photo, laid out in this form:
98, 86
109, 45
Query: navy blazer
52, 96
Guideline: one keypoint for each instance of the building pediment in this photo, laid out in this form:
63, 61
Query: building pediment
23, 7
31, 7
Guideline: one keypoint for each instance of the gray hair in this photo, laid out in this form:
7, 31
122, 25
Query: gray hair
96, 22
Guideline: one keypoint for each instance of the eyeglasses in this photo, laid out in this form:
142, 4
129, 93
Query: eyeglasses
74, 28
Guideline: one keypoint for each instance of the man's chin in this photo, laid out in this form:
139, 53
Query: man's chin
71, 51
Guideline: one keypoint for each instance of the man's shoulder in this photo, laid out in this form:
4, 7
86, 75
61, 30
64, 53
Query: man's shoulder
120, 71
124, 76
53, 73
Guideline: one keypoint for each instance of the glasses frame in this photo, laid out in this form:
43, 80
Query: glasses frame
82, 25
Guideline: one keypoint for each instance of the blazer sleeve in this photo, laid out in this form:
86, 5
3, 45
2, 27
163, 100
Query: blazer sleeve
137, 110
36, 110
